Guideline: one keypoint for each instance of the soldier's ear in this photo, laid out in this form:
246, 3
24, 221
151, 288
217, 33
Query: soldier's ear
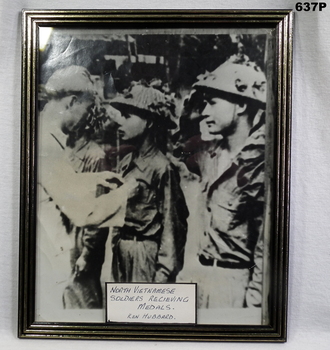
241, 108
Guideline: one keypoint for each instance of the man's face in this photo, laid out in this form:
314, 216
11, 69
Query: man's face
219, 116
74, 113
131, 126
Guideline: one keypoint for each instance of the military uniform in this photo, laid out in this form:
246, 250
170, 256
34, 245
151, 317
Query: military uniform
150, 245
233, 169
232, 243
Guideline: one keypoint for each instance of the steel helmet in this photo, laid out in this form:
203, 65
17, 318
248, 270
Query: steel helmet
245, 81
148, 102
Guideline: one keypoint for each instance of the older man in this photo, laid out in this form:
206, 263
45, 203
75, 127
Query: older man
76, 206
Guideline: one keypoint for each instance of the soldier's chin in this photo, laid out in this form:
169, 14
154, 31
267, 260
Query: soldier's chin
206, 135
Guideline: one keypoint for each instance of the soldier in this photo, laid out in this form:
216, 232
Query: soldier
150, 245
232, 169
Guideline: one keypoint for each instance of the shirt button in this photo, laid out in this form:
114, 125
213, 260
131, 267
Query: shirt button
230, 203
209, 209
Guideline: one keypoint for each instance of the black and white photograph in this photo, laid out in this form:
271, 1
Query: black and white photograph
152, 167
164, 175
155, 177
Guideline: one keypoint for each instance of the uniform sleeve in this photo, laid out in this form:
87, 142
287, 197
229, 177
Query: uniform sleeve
174, 212
252, 180
75, 195
254, 290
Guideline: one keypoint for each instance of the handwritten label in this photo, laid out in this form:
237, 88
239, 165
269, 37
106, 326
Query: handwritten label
151, 303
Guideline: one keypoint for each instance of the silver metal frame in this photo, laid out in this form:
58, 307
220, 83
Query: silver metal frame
282, 23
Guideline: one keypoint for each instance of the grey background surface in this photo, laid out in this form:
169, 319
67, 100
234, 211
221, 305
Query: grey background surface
309, 284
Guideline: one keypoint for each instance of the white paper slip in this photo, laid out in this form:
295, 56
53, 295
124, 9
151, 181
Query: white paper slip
151, 303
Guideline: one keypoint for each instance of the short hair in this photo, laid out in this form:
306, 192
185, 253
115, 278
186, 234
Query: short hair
72, 80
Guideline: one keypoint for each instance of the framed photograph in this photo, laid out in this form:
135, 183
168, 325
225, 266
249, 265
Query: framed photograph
155, 174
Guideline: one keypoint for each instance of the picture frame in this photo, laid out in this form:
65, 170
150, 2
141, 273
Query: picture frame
149, 46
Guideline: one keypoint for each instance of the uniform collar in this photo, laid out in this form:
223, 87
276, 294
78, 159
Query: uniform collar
142, 161
251, 152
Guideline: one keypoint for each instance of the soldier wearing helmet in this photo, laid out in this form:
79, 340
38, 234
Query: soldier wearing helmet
232, 169
150, 245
